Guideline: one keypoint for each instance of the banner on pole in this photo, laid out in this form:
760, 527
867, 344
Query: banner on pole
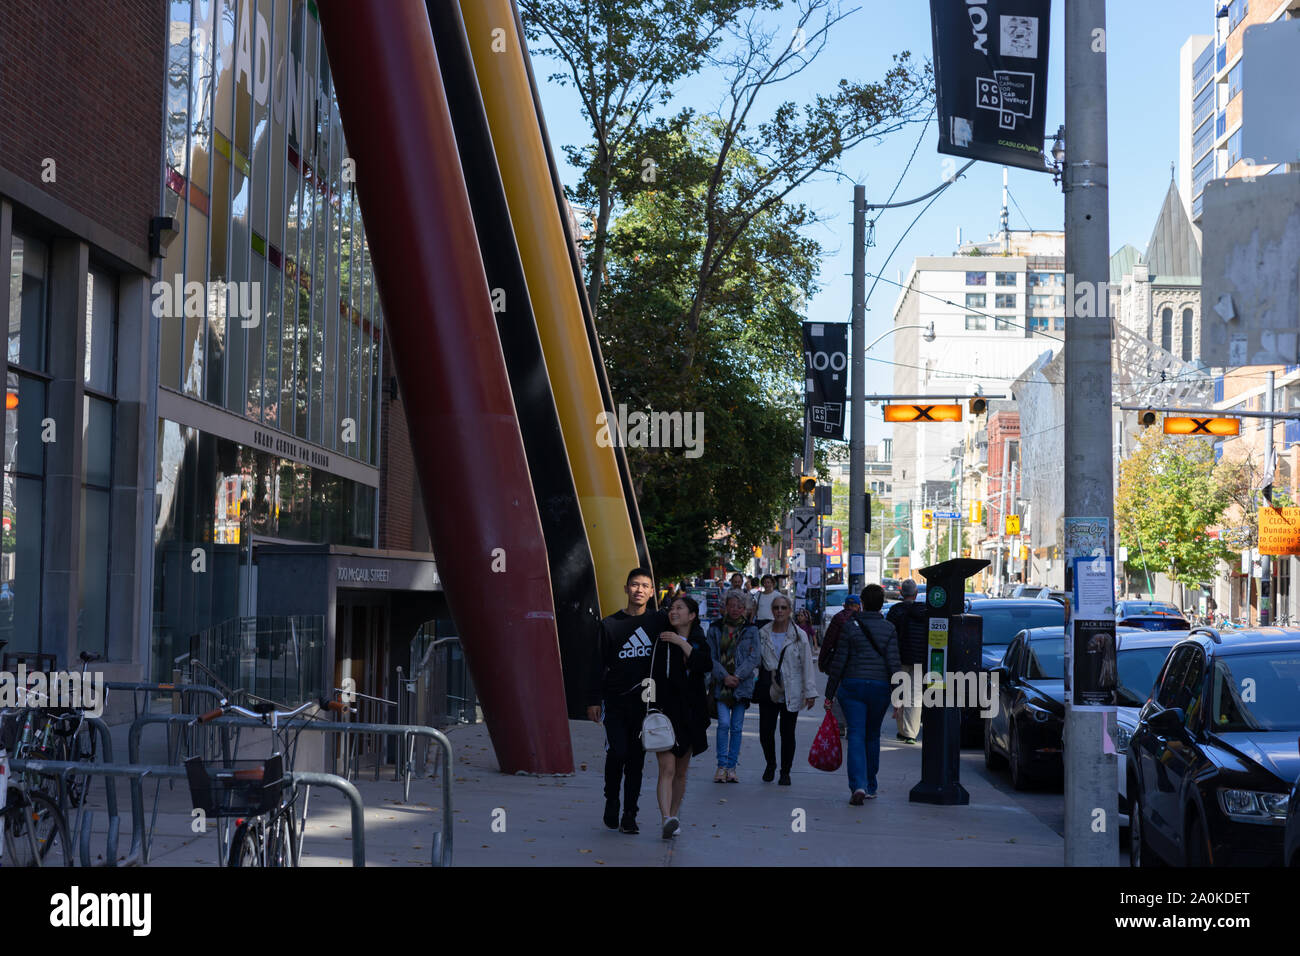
826, 388
990, 66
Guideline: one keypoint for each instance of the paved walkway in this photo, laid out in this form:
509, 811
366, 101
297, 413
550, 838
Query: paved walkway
521, 820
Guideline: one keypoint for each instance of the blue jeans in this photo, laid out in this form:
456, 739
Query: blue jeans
731, 721
865, 703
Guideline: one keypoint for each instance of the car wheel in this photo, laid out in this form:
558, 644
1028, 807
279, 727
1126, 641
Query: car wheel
992, 759
1019, 776
1198, 847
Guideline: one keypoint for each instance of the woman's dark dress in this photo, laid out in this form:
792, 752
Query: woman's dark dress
680, 693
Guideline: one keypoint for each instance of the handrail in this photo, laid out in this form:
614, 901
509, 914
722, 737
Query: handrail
442, 841
139, 771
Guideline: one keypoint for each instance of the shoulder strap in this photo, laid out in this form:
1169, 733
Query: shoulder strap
867, 632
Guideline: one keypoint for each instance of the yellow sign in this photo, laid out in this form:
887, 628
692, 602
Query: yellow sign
922, 413
1024, 552
977, 512
1279, 530
1205, 427
1013, 524
927, 519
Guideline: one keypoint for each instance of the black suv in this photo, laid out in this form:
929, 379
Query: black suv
1214, 756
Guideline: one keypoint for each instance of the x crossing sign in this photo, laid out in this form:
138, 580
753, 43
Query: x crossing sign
922, 413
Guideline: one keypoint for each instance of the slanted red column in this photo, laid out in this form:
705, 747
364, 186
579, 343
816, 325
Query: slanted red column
464, 432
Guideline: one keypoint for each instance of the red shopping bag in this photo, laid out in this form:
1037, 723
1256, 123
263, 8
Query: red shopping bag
826, 754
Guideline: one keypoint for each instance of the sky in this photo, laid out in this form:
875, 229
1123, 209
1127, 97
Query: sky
1143, 40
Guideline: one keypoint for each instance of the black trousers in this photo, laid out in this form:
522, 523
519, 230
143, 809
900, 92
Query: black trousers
624, 755
768, 716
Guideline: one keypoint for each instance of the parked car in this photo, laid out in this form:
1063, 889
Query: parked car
1139, 655
1002, 620
1026, 590
1215, 755
1291, 836
1051, 594
1151, 616
1028, 725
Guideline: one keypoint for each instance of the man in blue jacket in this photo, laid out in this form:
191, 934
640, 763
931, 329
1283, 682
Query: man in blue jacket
733, 643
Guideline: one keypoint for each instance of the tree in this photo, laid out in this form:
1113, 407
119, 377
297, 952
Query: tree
1168, 499
1241, 480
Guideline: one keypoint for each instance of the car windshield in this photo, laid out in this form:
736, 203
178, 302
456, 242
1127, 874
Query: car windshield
1136, 608
1259, 692
1046, 659
1030, 591
1138, 670
1001, 624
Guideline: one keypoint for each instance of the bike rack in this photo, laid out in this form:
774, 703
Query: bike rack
442, 841
137, 772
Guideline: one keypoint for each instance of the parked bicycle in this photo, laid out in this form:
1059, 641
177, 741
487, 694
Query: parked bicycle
259, 796
33, 830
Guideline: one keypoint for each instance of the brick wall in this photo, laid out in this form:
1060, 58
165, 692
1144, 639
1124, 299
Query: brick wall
82, 84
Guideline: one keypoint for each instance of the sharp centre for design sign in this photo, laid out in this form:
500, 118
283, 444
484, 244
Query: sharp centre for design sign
990, 64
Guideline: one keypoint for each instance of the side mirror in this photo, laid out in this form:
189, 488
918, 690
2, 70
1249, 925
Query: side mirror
1169, 722
1003, 673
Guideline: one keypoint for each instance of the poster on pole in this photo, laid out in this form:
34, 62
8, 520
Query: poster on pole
826, 377
990, 66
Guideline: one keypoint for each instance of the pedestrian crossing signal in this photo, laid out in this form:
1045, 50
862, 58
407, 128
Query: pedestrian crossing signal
1013, 524
807, 484
922, 413
1146, 419
927, 519
978, 405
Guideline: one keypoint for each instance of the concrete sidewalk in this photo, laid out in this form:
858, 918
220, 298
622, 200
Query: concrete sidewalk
527, 821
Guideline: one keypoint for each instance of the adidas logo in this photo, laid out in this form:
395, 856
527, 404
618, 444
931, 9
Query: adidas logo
638, 645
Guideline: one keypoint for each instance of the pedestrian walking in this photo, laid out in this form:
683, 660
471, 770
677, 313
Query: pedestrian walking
623, 649
852, 605
866, 656
763, 605
789, 679
910, 623
681, 664
733, 646
804, 620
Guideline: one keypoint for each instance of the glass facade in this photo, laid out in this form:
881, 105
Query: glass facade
269, 307
268, 310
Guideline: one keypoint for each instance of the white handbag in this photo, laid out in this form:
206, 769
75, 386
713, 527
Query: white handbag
656, 729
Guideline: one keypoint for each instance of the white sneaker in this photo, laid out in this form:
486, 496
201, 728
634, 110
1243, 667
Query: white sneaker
671, 826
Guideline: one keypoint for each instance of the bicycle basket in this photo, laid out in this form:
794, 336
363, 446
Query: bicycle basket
245, 788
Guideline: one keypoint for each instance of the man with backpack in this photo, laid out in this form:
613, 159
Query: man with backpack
910, 623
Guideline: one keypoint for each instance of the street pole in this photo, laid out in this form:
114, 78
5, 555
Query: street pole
1002, 514
1091, 837
1266, 561
858, 382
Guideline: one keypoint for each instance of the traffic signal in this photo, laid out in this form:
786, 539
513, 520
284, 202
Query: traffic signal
808, 484
977, 512
978, 405
1146, 419
927, 518
1204, 427
922, 413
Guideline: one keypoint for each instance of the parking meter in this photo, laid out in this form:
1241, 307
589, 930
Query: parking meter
952, 650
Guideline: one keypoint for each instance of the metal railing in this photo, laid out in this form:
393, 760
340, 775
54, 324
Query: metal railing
272, 657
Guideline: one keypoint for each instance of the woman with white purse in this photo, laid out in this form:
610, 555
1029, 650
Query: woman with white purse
679, 663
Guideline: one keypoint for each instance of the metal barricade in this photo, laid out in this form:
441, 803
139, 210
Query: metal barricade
442, 841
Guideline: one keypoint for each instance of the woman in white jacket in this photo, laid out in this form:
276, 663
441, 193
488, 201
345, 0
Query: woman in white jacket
791, 672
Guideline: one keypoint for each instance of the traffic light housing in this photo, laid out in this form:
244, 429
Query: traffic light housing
927, 519
978, 405
977, 512
1147, 419
807, 484
867, 508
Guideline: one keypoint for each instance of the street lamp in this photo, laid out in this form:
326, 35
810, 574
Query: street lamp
1058, 156
929, 335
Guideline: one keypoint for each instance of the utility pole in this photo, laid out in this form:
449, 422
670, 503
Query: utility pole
858, 383
1266, 561
1090, 794
1002, 513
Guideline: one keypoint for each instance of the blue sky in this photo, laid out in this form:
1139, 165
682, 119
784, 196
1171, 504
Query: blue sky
1143, 39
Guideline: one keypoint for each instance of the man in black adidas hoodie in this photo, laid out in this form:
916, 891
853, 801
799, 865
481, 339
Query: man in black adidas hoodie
624, 645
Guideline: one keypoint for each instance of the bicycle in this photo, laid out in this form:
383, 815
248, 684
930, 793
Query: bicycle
52, 734
256, 794
33, 830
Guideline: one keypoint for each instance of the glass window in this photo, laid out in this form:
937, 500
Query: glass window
1001, 325
101, 329
1045, 658
1006, 279
975, 322
1167, 329
23, 527
1005, 300
977, 278
1059, 323
28, 288
975, 300
1187, 335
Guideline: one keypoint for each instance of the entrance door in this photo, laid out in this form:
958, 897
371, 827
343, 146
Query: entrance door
361, 642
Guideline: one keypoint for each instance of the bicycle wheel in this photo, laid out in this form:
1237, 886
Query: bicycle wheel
246, 848
33, 820
282, 840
